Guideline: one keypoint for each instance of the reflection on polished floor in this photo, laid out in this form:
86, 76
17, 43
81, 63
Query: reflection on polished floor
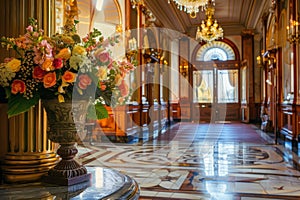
203, 161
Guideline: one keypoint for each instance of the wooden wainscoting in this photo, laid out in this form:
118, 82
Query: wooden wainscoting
288, 123
202, 112
126, 123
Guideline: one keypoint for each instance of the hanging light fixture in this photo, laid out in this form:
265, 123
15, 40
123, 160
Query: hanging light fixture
209, 30
190, 6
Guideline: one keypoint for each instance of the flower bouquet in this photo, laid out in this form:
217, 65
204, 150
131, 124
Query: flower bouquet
72, 74
62, 67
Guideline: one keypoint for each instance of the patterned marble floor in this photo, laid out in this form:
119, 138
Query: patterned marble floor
203, 161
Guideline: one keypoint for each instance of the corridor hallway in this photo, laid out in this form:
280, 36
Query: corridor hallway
231, 161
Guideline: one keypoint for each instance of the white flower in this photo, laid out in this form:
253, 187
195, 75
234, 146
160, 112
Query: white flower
6, 75
78, 61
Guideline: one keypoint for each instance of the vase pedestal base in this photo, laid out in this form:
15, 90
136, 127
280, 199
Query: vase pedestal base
66, 181
27, 167
67, 171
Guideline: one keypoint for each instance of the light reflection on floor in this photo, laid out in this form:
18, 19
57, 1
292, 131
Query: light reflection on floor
201, 162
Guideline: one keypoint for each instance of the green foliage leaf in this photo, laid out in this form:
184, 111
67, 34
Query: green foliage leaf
97, 111
17, 104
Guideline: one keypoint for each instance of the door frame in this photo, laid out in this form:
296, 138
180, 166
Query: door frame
214, 112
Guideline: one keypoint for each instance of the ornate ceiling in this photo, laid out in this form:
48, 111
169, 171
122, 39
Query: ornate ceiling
233, 15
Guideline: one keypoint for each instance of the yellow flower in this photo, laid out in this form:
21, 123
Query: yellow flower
67, 40
65, 54
61, 98
102, 73
118, 79
61, 89
14, 65
78, 50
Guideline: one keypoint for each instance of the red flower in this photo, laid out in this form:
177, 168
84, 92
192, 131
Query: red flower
57, 63
38, 73
18, 86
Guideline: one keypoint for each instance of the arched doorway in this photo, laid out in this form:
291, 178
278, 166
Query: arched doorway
216, 82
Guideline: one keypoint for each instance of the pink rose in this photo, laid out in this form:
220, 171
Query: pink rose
84, 81
36, 34
123, 88
103, 57
29, 28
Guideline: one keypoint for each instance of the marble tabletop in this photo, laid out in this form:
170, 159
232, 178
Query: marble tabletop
104, 184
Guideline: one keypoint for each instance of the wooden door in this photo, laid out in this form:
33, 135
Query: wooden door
216, 95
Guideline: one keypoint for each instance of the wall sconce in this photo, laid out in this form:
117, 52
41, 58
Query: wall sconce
119, 28
131, 55
151, 55
136, 3
132, 44
258, 60
132, 49
261, 59
293, 31
269, 57
183, 68
271, 61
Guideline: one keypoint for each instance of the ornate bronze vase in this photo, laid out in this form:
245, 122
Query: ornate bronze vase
66, 123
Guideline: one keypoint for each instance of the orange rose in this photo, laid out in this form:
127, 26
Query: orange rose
18, 86
38, 73
102, 86
65, 54
47, 65
49, 79
69, 77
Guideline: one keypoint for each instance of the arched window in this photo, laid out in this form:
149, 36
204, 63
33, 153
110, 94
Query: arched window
215, 50
215, 54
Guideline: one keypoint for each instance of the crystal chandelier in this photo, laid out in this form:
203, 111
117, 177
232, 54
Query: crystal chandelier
209, 29
190, 6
